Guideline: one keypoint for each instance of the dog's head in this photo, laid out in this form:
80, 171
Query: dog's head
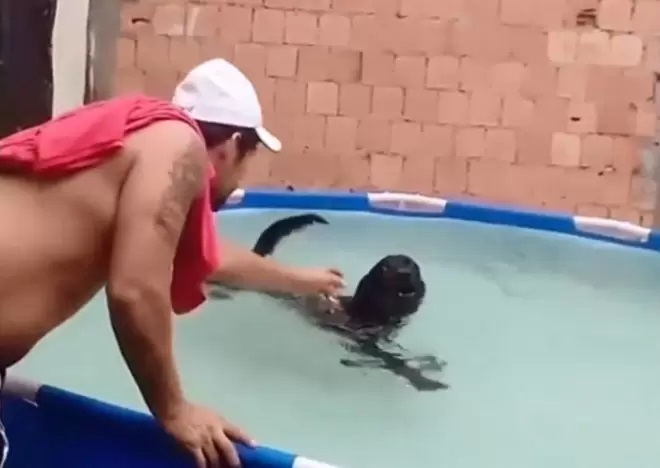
392, 291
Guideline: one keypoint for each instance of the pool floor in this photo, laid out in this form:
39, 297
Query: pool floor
552, 344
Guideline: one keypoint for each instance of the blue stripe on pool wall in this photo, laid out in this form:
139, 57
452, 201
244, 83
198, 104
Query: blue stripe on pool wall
452, 209
68, 430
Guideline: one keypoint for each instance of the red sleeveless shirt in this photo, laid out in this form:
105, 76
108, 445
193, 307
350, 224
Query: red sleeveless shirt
84, 138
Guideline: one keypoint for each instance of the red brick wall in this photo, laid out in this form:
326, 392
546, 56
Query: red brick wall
544, 103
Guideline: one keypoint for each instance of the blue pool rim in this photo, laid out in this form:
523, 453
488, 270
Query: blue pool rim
51, 427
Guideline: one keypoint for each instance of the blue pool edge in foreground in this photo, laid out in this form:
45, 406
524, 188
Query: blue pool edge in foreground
50, 427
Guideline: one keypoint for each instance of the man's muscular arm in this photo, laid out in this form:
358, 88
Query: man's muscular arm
153, 207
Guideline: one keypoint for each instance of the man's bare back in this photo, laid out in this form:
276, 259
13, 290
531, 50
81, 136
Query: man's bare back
56, 240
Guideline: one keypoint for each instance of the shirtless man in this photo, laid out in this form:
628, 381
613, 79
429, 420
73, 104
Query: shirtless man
118, 194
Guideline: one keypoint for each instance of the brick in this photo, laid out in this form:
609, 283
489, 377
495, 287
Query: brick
214, 47
353, 171
603, 83
507, 77
387, 102
597, 151
308, 132
367, 34
410, 72
374, 134
646, 120
485, 108
540, 81
251, 60
341, 134
301, 28
482, 42
282, 4
406, 138
437, 141
473, 75
125, 53
385, 170
354, 100
447, 10
169, 20
160, 83
334, 30
185, 54
417, 175
527, 44
378, 68
545, 14
421, 105
152, 53
322, 98
652, 60
235, 24
265, 88
203, 21
135, 19
572, 81
615, 15
344, 66
581, 117
626, 50
594, 48
281, 61
470, 142
517, 111
384, 7
409, 36
615, 117
551, 112
646, 17
565, 149
517, 12
500, 144
290, 98
268, 26
128, 80
534, 146
626, 214
597, 211
639, 85
313, 63
443, 72
453, 107
562, 46
627, 155
451, 176
481, 11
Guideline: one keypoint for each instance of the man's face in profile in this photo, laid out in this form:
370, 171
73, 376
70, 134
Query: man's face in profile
229, 170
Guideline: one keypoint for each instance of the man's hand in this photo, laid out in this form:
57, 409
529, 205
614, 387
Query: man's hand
312, 281
206, 436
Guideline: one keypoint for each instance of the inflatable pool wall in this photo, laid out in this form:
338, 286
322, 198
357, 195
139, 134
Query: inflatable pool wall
52, 428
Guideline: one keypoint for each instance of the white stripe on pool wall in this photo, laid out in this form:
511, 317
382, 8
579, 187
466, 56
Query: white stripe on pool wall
302, 462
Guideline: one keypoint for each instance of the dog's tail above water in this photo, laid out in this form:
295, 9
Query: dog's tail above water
273, 234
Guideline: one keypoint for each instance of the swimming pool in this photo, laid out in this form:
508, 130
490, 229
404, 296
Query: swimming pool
551, 342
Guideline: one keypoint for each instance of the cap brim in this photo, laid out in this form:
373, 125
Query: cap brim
269, 140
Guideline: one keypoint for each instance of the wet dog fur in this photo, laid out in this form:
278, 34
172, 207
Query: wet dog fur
385, 298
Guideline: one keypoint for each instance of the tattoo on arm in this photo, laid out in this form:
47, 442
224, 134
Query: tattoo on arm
186, 176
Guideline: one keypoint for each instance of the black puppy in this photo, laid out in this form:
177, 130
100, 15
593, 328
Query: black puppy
391, 292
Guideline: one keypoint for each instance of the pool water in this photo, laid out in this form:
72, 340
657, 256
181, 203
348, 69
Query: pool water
552, 344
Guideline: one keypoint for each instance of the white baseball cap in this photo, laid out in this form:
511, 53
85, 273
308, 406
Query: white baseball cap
216, 91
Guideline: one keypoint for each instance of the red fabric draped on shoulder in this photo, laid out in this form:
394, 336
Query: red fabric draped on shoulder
84, 138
